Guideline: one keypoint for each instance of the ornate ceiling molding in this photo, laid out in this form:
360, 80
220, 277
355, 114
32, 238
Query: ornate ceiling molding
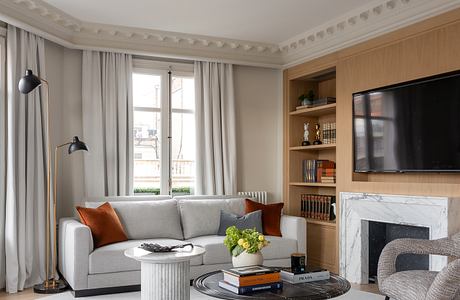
363, 23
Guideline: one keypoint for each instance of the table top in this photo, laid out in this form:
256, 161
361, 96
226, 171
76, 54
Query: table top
324, 289
177, 255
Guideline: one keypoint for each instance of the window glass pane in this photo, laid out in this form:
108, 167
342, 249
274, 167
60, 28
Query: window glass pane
183, 153
183, 93
147, 137
146, 90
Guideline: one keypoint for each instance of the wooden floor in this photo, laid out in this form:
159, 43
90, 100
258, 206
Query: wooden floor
30, 295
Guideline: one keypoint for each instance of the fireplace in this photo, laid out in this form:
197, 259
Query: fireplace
381, 233
438, 217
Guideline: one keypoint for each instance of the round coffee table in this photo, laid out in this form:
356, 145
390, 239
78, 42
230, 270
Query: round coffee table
165, 276
325, 289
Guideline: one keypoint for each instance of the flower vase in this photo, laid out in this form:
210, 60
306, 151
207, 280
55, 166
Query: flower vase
247, 259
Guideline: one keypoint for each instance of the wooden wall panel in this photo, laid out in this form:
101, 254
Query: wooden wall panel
434, 52
420, 50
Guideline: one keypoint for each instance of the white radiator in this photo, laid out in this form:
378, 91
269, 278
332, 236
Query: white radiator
260, 196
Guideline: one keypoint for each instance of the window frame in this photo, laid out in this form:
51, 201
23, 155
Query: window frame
159, 68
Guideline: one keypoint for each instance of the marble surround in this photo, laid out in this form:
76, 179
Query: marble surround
441, 215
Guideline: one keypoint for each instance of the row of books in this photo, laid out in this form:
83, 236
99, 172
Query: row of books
317, 207
322, 171
252, 279
329, 133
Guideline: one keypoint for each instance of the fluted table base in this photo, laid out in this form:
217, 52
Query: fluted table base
165, 281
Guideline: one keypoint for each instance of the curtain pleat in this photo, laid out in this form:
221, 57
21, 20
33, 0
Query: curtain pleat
108, 123
26, 160
215, 129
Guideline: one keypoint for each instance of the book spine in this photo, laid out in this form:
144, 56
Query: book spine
252, 280
251, 289
311, 278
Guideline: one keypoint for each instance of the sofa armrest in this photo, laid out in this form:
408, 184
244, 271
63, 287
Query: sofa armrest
75, 245
295, 228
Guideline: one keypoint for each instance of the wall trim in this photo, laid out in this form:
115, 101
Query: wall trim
361, 24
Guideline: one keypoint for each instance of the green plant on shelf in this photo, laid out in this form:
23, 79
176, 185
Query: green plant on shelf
307, 99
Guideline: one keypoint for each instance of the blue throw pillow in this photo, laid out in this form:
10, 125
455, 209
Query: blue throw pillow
249, 221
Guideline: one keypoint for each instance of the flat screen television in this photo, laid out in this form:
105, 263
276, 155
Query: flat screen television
408, 127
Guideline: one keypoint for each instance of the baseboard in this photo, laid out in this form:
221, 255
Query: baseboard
107, 290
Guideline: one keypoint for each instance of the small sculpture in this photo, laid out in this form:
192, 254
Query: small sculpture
306, 134
153, 247
317, 135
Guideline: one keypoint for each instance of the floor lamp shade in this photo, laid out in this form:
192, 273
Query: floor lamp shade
77, 145
29, 82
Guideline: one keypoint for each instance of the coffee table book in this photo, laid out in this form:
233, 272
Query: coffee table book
252, 280
250, 271
250, 289
309, 276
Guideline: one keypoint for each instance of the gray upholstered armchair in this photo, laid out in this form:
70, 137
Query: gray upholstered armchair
420, 285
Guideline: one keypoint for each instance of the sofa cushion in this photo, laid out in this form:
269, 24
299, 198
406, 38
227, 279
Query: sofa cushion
149, 219
271, 215
202, 217
111, 258
104, 223
217, 253
248, 221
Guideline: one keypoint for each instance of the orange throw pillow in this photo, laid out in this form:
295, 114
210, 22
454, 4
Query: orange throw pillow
104, 223
271, 216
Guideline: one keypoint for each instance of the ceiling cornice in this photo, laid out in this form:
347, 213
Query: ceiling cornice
366, 22
363, 23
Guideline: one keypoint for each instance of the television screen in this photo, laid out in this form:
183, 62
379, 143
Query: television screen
409, 127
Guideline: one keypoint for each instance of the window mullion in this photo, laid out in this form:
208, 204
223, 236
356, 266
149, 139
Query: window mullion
165, 164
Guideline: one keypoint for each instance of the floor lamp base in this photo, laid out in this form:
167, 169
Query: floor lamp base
51, 286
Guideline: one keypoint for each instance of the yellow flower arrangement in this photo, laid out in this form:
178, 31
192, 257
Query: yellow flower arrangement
248, 240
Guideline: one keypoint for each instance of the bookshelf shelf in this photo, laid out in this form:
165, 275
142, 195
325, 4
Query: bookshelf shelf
313, 184
315, 111
321, 222
313, 147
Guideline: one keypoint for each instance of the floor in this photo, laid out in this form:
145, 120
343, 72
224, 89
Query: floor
30, 295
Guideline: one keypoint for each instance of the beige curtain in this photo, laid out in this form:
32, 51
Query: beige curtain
23, 202
215, 129
108, 123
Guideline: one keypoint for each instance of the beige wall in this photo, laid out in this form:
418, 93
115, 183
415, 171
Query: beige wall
258, 93
258, 115
63, 68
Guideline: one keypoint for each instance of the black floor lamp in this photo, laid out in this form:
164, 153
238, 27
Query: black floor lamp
51, 285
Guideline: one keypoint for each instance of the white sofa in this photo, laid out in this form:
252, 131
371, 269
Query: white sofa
163, 220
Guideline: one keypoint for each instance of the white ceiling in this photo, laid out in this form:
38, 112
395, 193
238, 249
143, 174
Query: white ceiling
270, 21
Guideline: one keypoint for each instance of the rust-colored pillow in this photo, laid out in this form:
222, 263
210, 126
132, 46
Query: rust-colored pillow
104, 223
271, 216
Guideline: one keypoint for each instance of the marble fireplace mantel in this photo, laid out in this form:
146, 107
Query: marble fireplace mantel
441, 215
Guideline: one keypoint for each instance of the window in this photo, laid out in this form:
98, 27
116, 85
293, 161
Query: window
152, 167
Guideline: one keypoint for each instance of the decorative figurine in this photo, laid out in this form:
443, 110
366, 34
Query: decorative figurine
306, 134
317, 135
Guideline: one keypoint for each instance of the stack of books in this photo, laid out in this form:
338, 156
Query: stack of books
251, 279
322, 171
317, 207
308, 276
329, 133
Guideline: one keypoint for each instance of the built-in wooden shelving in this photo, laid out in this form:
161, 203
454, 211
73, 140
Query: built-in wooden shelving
321, 234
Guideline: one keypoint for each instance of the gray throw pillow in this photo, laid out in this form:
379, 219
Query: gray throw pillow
249, 221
